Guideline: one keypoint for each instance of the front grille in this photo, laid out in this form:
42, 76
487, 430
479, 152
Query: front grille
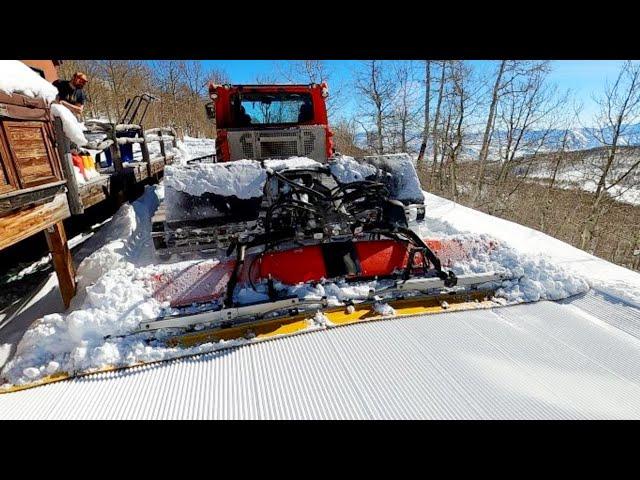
309, 142
246, 141
278, 149
279, 133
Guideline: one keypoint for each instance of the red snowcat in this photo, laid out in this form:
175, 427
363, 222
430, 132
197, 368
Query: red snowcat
284, 209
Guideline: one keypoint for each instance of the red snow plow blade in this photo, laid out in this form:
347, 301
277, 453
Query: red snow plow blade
208, 281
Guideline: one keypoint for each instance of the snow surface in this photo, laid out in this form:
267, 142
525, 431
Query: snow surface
72, 128
452, 218
116, 291
16, 77
191, 147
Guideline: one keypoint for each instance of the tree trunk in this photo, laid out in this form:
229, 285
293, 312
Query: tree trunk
484, 150
435, 124
594, 212
427, 98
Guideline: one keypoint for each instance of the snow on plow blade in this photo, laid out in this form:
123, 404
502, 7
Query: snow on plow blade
232, 326
284, 312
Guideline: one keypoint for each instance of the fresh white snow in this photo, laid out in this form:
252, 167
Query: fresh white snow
72, 128
347, 169
16, 77
608, 277
243, 178
293, 162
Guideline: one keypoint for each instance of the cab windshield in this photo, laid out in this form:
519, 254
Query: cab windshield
274, 108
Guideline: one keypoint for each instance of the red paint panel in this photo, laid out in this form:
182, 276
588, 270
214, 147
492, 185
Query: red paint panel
381, 257
305, 264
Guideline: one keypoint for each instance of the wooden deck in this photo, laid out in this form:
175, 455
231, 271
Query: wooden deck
23, 223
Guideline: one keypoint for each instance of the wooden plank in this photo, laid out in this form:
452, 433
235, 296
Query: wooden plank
95, 192
22, 198
115, 157
64, 152
156, 166
9, 175
62, 261
21, 224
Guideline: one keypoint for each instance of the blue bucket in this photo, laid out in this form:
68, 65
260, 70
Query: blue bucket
105, 158
126, 150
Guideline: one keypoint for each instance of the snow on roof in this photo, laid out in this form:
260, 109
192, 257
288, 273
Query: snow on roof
16, 77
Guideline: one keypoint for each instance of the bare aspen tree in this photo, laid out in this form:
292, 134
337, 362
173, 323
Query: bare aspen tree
486, 138
403, 122
528, 105
313, 71
376, 89
124, 79
169, 81
461, 98
436, 120
619, 108
427, 111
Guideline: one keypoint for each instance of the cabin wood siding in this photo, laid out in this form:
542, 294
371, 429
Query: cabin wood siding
33, 158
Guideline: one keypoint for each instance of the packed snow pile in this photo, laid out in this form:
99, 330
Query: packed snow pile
191, 147
16, 77
243, 178
347, 169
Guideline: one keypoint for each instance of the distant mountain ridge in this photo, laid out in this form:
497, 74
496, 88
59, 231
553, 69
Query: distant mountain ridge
582, 138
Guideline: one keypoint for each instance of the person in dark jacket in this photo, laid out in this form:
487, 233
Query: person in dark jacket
70, 92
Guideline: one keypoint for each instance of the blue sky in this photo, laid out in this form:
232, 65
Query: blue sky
583, 77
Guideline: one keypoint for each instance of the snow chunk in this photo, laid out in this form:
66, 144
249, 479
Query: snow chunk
52, 367
347, 169
321, 319
243, 178
16, 77
405, 183
384, 309
73, 129
396, 170
292, 162
31, 373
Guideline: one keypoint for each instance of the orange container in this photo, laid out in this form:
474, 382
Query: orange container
78, 162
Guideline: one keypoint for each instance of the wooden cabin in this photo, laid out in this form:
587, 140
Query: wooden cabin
32, 183
47, 69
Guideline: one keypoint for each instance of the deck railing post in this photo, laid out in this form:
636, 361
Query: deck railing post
64, 151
